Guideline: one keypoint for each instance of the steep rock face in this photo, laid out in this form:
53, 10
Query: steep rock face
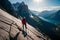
8, 31
15, 6
22, 9
8, 27
23, 6
11, 29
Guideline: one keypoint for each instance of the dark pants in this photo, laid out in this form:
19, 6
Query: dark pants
24, 30
24, 25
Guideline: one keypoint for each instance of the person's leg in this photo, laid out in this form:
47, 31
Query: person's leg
23, 26
25, 29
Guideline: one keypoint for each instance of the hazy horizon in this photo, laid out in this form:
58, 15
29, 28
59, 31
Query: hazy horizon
40, 5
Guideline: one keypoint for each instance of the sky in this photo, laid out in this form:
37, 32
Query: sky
40, 5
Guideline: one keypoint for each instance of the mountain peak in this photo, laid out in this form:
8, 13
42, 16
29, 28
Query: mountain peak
22, 3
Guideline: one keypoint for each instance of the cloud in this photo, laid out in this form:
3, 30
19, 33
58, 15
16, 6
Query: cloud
46, 8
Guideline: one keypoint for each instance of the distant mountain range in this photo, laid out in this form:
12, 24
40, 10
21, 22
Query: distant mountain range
35, 12
51, 15
56, 16
46, 13
22, 7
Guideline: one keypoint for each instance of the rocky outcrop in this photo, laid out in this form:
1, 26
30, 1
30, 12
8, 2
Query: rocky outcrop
7, 6
22, 9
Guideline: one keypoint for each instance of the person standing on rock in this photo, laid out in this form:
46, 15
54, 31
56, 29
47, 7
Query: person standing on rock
24, 23
24, 32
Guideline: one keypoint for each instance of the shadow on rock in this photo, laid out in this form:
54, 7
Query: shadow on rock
24, 33
14, 38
